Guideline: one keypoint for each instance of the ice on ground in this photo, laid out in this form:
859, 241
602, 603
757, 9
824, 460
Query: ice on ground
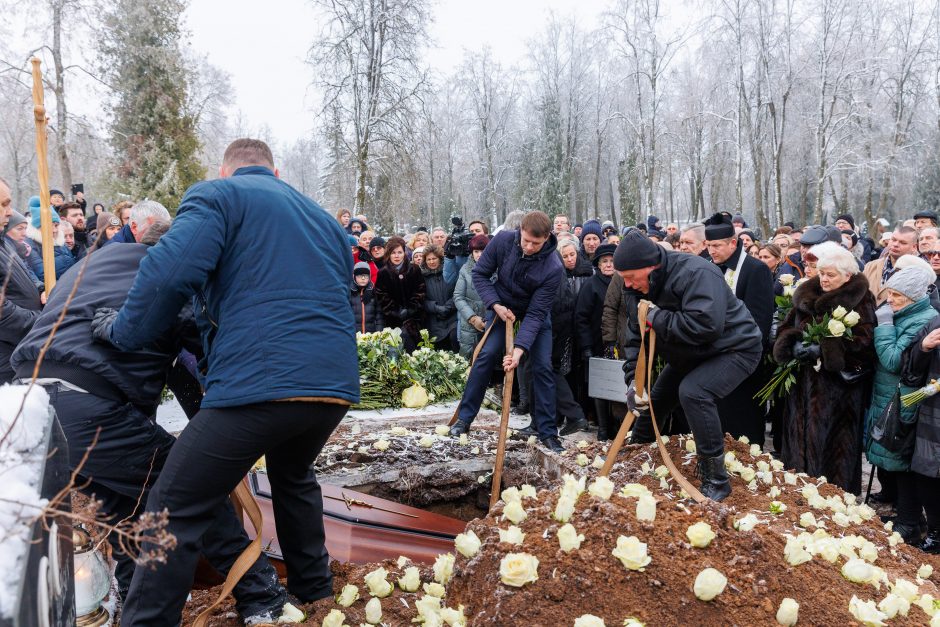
21, 460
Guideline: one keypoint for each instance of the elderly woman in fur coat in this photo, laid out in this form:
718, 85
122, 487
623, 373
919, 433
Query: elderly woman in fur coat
824, 411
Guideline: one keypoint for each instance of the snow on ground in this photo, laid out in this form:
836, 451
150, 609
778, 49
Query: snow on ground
171, 417
21, 460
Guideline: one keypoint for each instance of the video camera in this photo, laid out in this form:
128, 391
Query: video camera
458, 244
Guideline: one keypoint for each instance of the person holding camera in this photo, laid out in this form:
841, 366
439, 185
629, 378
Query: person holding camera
457, 249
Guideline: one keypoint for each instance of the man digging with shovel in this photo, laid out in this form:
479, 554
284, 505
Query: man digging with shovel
705, 335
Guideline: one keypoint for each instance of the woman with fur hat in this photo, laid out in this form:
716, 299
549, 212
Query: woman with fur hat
823, 412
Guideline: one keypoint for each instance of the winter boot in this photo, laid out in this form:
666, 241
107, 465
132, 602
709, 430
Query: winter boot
711, 470
460, 427
930, 543
553, 444
909, 533
573, 426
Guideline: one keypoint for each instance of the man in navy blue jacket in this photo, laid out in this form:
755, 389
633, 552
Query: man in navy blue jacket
527, 272
280, 365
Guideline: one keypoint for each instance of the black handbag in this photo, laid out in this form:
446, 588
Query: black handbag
891, 432
855, 375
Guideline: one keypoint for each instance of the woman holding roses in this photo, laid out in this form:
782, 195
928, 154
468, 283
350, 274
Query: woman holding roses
824, 410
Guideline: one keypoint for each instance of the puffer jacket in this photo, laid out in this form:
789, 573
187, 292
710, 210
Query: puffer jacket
589, 314
469, 304
564, 338
365, 309
440, 312
890, 343
62, 257
526, 284
21, 304
918, 368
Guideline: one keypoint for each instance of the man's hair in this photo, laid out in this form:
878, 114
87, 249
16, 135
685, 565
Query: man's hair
697, 229
513, 219
121, 206
245, 151
149, 209
562, 216
936, 231
568, 238
64, 208
906, 230
438, 228
783, 230
536, 224
155, 232
486, 229
65, 225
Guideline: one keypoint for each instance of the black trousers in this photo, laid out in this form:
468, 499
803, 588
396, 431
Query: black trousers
698, 391
928, 493
126, 453
212, 455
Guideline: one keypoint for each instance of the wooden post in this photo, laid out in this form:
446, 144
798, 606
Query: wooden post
45, 207
503, 423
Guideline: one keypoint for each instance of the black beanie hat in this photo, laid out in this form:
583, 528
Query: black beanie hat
847, 218
718, 226
636, 251
602, 251
377, 242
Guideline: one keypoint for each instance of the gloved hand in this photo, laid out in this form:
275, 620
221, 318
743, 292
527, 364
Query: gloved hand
610, 351
650, 313
885, 315
403, 314
101, 324
806, 354
635, 403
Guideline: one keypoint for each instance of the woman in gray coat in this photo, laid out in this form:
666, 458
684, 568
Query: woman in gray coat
471, 311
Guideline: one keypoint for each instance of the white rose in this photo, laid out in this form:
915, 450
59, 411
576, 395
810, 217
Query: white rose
789, 478
582, 459
786, 279
518, 569
467, 544
788, 291
348, 595
744, 439
434, 589
905, 589
374, 611
631, 553
836, 328
475, 450
632, 622
634, 490
646, 508
892, 605
690, 445
754, 450
429, 608
363, 450
788, 612
925, 571
334, 619
411, 580
454, 618
776, 464
380, 445
441, 430
514, 512
795, 553
841, 519
399, 431
700, 534
773, 492
464, 440
589, 620
444, 568
511, 494
402, 561
377, 582
868, 552
895, 539
513, 535
776, 507
568, 538
851, 319
602, 488
839, 312
858, 571
828, 549
747, 474
746, 523
807, 520
708, 584
583, 444
866, 612
426, 441
564, 509
598, 462
927, 603
573, 487
661, 472
527, 491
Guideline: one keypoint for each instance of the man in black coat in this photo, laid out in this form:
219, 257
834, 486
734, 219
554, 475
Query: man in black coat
705, 335
105, 399
753, 284
21, 302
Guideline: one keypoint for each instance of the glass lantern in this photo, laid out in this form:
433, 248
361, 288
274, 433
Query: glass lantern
92, 581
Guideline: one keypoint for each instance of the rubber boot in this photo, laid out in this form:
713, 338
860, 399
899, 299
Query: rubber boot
930, 543
711, 470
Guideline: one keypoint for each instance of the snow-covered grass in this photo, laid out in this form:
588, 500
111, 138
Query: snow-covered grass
21, 462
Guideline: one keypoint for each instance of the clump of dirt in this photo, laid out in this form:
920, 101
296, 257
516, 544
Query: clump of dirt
591, 580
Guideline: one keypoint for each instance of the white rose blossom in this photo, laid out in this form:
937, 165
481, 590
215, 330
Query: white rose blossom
700, 534
426, 441
564, 509
467, 544
892, 605
788, 613
527, 491
646, 508
374, 611
866, 612
836, 328
631, 553
377, 583
410, 581
708, 584
746, 523
851, 319
514, 512
582, 460
602, 488
454, 617
589, 620
839, 312
381, 445
334, 619
568, 538
511, 494
348, 595
434, 589
925, 571
518, 569
786, 279
444, 568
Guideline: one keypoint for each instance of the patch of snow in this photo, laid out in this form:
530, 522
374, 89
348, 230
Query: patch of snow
21, 460
171, 416
402, 412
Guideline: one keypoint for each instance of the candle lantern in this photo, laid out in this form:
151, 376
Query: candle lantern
92, 581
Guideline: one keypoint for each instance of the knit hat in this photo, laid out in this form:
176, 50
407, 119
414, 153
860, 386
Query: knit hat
479, 242
913, 280
636, 251
851, 234
33, 204
377, 242
738, 219
35, 217
641, 226
657, 233
602, 251
591, 227
718, 227
847, 218
361, 268
16, 218
105, 220
418, 251
353, 240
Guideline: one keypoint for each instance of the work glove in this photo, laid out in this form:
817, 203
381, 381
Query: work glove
806, 354
101, 324
635, 403
610, 351
885, 315
650, 313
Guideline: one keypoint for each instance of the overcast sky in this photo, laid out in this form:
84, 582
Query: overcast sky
262, 45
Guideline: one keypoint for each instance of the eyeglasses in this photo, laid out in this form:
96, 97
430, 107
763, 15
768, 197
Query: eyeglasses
932, 253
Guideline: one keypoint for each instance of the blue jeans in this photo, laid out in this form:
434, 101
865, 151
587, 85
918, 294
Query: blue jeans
539, 371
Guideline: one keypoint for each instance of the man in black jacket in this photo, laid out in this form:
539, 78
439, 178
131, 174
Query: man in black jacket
705, 335
21, 302
752, 283
105, 399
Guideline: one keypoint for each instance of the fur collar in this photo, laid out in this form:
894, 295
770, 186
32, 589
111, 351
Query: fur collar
810, 299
